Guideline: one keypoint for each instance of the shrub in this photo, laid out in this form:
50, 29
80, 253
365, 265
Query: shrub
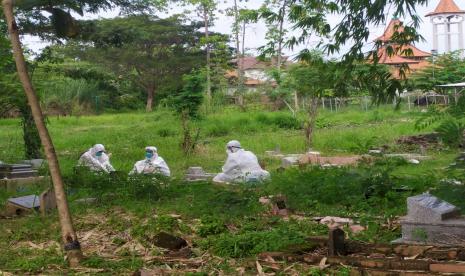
287, 122
211, 226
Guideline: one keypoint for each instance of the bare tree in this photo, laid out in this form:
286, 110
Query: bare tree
71, 243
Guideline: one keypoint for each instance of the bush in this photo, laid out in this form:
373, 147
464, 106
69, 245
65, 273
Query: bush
211, 226
451, 132
336, 191
247, 243
101, 185
283, 121
287, 122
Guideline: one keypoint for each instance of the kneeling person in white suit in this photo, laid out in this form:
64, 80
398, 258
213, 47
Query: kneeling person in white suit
96, 159
241, 166
151, 164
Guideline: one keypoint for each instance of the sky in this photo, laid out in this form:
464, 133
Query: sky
255, 33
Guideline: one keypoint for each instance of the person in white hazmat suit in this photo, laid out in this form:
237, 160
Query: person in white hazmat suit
96, 159
152, 164
240, 166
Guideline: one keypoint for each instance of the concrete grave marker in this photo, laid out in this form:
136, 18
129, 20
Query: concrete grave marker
428, 208
432, 221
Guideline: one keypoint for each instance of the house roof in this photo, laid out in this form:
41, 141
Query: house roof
394, 26
415, 51
446, 7
248, 62
395, 59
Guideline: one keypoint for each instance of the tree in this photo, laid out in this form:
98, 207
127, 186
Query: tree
186, 102
312, 78
206, 9
52, 20
447, 68
375, 80
310, 17
149, 51
274, 13
60, 24
11, 97
71, 243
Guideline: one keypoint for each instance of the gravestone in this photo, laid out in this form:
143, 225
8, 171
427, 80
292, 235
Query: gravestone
16, 171
432, 221
427, 208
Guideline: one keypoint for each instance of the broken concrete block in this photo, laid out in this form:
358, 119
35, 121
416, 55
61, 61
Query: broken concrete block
289, 161
336, 222
35, 163
90, 200
168, 241
198, 174
414, 161
47, 202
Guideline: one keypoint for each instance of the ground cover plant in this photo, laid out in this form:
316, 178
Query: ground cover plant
226, 227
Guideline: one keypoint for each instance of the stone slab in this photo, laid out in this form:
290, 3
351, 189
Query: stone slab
409, 156
290, 161
426, 208
35, 163
30, 201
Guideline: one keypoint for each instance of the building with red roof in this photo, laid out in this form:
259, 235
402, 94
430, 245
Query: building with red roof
396, 56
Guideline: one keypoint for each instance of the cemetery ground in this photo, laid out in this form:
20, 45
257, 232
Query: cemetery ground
226, 227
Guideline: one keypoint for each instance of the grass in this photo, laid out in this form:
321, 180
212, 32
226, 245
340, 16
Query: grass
126, 135
225, 221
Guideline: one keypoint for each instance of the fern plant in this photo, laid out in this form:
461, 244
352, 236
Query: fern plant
451, 132
448, 121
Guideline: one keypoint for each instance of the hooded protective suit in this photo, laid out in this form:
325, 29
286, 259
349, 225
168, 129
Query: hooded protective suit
96, 159
151, 164
241, 166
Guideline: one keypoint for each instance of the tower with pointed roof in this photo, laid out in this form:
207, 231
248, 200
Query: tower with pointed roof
447, 20
400, 55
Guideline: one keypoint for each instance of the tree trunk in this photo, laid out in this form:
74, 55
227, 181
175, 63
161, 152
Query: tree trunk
150, 91
311, 120
243, 38
240, 62
30, 134
71, 243
282, 14
207, 36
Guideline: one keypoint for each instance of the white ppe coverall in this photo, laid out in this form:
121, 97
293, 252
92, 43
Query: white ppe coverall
155, 164
242, 166
96, 163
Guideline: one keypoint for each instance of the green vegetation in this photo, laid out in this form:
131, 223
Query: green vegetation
228, 222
